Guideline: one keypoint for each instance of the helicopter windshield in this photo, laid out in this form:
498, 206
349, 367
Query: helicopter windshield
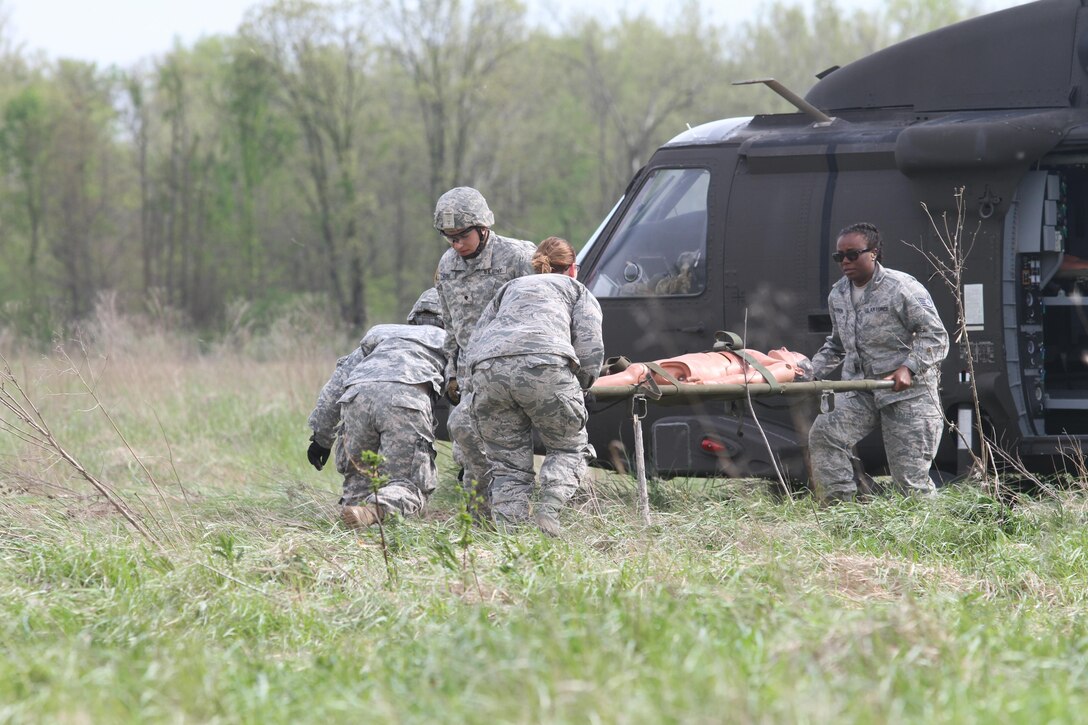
659, 247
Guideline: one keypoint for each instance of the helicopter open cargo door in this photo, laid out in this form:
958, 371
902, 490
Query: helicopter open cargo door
1045, 283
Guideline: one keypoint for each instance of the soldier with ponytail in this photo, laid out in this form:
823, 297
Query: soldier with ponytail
537, 347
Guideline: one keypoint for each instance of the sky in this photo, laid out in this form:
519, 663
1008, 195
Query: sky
124, 32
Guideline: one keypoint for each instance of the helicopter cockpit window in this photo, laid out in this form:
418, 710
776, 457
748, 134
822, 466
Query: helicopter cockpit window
659, 248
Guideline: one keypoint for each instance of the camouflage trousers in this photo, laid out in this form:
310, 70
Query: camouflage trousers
512, 398
468, 449
394, 420
911, 429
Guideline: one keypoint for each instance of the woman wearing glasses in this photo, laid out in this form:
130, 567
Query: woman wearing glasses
537, 346
477, 263
883, 326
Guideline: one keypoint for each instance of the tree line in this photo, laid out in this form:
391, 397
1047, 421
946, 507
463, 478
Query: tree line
301, 156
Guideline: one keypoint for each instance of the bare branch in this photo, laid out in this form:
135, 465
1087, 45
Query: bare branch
34, 420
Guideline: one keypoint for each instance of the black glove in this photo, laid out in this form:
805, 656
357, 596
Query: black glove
453, 392
318, 455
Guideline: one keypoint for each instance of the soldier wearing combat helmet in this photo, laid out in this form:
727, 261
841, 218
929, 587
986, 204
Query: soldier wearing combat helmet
380, 399
427, 310
470, 272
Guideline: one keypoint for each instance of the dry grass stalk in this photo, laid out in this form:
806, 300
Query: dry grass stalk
117, 430
31, 427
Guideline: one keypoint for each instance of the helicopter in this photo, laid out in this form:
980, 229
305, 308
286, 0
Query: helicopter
731, 225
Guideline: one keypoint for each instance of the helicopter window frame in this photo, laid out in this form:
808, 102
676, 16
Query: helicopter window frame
673, 204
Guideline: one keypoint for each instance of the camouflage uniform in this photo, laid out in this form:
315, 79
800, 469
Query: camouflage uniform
537, 346
380, 399
465, 286
894, 323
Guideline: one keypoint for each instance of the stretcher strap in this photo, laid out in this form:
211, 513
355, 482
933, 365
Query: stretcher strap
761, 369
725, 340
655, 368
614, 365
648, 386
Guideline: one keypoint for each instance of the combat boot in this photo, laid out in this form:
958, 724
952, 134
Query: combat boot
547, 515
834, 498
360, 517
504, 524
509, 518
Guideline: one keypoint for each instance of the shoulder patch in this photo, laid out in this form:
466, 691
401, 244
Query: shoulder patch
925, 301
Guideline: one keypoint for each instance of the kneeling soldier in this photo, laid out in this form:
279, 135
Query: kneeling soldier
381, 397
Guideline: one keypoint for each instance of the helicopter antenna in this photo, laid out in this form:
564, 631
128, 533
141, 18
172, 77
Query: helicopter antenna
799, 103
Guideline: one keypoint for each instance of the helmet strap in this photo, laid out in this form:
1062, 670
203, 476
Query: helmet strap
485, 235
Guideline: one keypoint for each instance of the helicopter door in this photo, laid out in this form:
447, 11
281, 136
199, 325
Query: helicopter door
651, 277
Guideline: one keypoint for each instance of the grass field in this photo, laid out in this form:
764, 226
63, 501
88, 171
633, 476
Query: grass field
246, 602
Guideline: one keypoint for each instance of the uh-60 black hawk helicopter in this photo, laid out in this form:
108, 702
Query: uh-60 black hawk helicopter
731, 226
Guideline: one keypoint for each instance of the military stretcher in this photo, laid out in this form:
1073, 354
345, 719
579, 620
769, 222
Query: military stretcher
726, 373
687, 393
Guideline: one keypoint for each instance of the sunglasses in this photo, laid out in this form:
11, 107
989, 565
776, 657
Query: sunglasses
459, 236
852, 255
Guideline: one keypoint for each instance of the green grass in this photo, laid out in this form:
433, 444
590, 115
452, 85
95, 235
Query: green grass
734, 606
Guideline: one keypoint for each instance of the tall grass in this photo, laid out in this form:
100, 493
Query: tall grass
253, 605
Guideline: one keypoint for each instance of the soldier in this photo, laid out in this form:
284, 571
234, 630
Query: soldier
469, 274
537, 346
381, 396
883, 325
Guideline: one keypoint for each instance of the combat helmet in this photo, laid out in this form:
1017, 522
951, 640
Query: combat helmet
461, 208
426, 310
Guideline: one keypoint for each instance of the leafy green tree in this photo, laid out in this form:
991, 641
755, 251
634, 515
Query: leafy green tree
407, 248
189, 203
638, 105
319, 55
80, 183
137, 117
24, 145
450, 50
256, 140
539, 165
